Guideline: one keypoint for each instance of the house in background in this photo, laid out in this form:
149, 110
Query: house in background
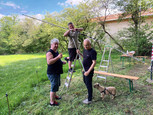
113, 25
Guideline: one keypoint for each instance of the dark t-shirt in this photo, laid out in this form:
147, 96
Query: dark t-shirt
88, 56
57, 67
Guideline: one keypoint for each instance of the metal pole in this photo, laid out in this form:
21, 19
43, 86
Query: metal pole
151, 70
37, 77
151, 62
81, 34
78, 54
8, 103
44, 21
53, 25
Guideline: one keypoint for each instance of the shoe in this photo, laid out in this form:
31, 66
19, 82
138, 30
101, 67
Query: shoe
57, 97
70, 70
55, 104
66, 59
86, 101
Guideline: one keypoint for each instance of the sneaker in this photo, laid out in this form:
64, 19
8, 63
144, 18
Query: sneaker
57, 97
86, 101
66, 59
55, 104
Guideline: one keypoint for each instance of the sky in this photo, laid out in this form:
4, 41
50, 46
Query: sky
33, 7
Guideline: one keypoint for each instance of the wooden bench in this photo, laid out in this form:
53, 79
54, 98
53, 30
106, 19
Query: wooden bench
124, 56
130, 78
143, 58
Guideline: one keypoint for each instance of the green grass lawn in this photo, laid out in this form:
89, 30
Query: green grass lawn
23, 77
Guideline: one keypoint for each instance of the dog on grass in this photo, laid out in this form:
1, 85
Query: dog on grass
108, 90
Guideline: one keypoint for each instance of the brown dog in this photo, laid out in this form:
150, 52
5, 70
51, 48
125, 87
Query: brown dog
107, 90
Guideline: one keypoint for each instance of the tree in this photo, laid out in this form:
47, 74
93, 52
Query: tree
134, 8
6, 26
103, 8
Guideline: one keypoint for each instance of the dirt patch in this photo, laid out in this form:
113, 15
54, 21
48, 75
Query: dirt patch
139, 70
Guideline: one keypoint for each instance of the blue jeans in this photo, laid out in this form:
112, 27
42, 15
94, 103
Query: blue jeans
55, 81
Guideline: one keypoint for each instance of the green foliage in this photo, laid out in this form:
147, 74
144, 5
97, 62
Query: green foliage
29, 36
6, 28
139, 42
136, 37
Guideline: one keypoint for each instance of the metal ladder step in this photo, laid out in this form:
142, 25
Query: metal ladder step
66, 84
106, 60
101, 77
68, 78
103, 66
72, 65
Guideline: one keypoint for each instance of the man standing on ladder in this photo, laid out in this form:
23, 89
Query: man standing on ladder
72, 33
89, 62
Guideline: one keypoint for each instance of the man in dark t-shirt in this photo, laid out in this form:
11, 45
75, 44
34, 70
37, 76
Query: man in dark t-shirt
89, 62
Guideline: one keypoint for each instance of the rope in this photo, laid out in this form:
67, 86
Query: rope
10, 92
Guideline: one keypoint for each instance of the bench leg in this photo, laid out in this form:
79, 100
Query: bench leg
129, 60
122, 62
143, 59
131, 85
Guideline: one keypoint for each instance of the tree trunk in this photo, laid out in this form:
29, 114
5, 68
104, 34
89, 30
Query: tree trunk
103, 26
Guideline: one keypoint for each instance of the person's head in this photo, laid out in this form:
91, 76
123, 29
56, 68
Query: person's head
87, 44
70, 25
54, 44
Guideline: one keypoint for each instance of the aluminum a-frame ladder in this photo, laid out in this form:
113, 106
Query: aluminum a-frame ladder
69, 75
104, 64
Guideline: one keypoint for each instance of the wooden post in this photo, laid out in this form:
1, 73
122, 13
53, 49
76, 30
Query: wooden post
8, 103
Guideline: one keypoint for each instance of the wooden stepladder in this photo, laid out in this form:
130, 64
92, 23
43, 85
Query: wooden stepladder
105, 61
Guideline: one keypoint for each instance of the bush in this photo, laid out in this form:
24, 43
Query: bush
136, 40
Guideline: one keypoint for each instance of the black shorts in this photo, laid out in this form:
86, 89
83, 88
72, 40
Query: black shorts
72, 54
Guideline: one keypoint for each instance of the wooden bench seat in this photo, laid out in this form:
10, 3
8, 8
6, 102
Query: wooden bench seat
130, 78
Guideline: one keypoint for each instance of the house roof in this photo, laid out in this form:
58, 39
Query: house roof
115, 17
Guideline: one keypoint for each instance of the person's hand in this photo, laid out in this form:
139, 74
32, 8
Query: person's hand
86, 73
71, 29
64, 62
75, 29
78, 51
60, 56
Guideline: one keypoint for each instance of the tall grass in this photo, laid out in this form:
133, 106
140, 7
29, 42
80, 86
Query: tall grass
23, 78
18, 76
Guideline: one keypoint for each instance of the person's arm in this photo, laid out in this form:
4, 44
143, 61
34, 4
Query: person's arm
91, 68
66, 33
50, 59
78, 51
63, 62
79, 29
